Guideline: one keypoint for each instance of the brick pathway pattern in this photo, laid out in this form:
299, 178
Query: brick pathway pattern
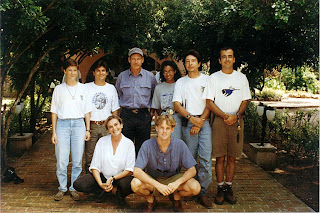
254, 188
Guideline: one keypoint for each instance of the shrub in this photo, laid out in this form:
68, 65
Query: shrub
302, 78
296, 132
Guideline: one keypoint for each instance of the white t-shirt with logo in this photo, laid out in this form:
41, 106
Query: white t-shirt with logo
227, 90
162, 97
188, 92
70, 102
104, 100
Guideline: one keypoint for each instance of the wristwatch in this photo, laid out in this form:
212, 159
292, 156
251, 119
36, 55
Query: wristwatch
238, 115
188, 116
113, 179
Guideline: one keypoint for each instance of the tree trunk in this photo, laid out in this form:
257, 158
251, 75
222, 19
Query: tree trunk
4, 136
32, 106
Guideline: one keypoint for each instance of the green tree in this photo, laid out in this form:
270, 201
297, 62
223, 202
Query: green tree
265, 34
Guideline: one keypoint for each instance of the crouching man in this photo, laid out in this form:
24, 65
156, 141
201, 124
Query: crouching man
158, 167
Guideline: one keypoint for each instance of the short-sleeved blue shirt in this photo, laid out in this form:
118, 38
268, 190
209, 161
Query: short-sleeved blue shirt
136, 92
159, 164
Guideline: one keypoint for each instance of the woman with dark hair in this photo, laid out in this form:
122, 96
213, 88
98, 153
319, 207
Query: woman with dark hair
112, 164
163, 93
70, 108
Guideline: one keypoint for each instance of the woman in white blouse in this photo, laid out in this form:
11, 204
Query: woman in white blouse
112, 164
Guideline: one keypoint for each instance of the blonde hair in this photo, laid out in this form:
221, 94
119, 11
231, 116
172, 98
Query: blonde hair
110, 118
167, 118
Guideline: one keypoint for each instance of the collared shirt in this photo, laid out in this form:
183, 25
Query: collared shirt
110, 164
159, 164
136, 92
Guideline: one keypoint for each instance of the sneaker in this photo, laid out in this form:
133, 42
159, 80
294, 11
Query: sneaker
59, 196
228, 195
220, 195
204, 200
75, 195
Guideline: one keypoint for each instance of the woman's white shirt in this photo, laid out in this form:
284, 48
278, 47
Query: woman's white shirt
110, 164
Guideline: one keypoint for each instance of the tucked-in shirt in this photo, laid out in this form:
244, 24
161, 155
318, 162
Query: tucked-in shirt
70, 102
135, 92
159, 164
110, 164
162, 97
227, 90
104, 100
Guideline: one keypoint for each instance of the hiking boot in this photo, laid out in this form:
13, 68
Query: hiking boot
176, 204
220, 195
204, 200
228, 195
75, 195
59, 196
150, 206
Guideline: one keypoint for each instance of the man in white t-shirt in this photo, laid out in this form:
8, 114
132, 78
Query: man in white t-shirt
105, 102
227, 95
196, 130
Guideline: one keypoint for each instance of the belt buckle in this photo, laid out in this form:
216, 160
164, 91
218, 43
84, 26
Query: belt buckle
170, 111
135, 111
98, 123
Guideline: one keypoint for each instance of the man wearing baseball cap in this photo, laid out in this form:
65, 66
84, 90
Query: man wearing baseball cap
135, 88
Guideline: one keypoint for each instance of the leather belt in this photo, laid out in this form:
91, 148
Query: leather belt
136, 110
97, 122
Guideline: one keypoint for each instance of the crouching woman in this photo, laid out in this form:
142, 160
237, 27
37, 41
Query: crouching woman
112, 164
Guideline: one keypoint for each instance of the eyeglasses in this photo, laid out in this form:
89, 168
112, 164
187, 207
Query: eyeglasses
168, 72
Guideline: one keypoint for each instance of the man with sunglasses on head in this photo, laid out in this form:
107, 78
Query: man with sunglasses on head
158, 167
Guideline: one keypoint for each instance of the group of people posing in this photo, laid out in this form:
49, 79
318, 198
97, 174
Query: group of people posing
120, 157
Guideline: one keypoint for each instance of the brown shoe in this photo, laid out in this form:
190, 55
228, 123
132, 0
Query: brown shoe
176, 204
59, 196
204, 200
75, 195
220, 195
150, 206
228, 195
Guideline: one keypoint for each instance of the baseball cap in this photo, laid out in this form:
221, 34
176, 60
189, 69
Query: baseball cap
135, 50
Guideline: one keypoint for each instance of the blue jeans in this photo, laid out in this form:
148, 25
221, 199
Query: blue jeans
177, 133
70, 137
200, 145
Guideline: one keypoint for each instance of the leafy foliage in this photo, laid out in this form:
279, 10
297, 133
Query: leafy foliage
296, 132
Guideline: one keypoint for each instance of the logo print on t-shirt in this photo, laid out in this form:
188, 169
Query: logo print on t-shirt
202, 89
99, 100
166, 100
228, 92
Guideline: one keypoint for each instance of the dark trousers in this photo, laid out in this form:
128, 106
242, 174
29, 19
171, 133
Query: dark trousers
136, 126
88, 184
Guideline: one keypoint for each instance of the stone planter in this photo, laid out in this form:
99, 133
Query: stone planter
263, 156
18, 144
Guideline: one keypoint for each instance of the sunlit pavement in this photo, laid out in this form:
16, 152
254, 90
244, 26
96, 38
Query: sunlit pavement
255, 189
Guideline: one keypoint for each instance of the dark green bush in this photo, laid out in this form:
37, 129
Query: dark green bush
296, 132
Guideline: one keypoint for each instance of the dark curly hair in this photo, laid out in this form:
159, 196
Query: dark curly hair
172, 64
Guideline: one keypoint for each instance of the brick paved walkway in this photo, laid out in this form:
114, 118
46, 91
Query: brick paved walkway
255, 189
